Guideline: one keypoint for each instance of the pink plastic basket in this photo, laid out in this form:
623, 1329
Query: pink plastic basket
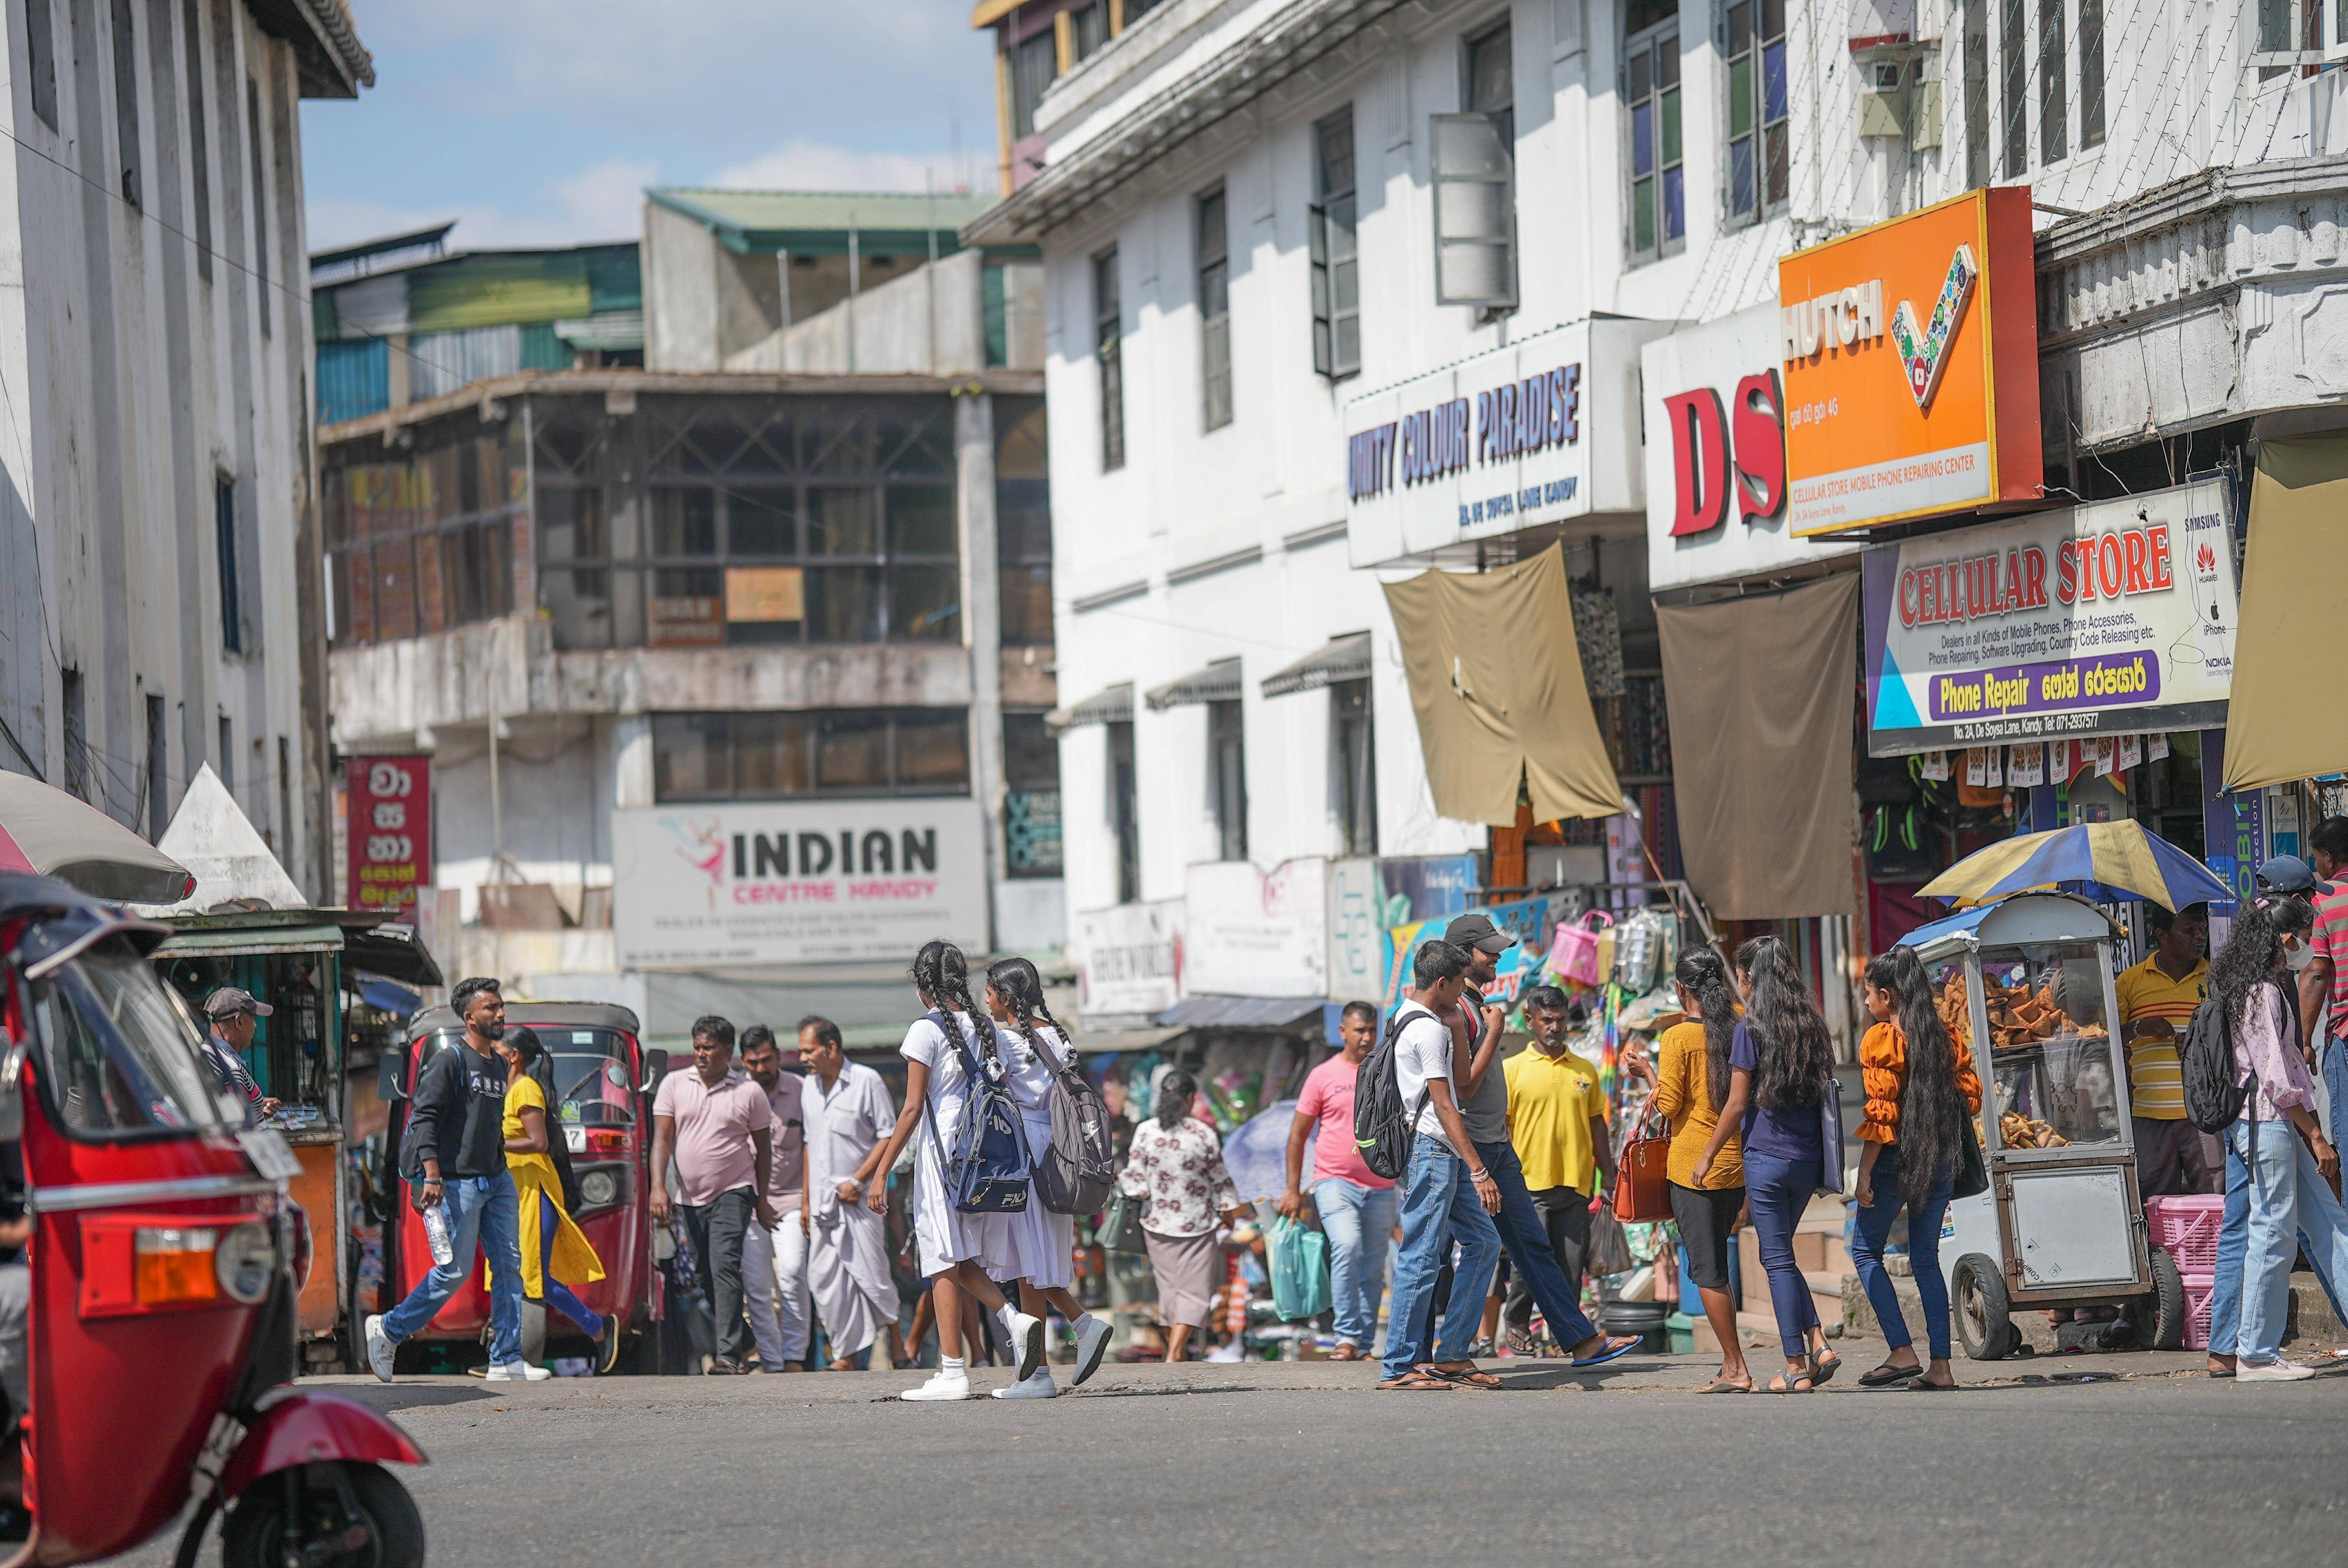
2198, 1289
2187, 1228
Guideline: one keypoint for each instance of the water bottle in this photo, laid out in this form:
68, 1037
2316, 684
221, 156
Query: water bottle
436, 1236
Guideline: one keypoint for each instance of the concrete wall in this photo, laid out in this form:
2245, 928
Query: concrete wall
928, 322
138, 376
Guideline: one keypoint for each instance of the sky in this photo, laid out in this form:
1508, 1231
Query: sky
541, 121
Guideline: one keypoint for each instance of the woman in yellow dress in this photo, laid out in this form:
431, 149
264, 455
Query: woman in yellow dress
555, 1254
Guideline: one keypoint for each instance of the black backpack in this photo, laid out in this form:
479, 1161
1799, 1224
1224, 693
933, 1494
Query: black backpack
2213, 1101
1382, 1125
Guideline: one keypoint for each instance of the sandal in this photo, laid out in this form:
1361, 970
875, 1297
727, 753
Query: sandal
1926, 1386
1722, 1385
1469, 1375
1615, 1349
1347, 1350
1823, 1367
1417, 1380
1883, 1377
1800, 1385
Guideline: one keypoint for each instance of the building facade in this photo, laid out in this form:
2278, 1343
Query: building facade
160, 604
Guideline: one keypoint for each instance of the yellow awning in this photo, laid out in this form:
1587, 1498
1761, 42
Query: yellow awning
1496, 681
2282, 725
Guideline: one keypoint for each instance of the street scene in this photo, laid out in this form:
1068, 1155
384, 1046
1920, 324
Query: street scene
1316, 779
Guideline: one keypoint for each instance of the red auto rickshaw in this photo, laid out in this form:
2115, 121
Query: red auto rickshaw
602, 1103
164, 1266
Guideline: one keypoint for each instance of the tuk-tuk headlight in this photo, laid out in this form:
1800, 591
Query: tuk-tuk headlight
597, 1188
243, 1261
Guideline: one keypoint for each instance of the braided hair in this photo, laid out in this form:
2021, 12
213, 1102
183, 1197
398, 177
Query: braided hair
1021, 988
1705, 975
943, 977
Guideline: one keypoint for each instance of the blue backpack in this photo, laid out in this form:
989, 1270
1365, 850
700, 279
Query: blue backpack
988, 1171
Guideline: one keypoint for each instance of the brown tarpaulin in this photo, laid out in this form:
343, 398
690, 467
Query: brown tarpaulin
1760, 691
1496, 680
2280, 725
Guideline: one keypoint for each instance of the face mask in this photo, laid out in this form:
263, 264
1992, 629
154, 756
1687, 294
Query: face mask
2299, 958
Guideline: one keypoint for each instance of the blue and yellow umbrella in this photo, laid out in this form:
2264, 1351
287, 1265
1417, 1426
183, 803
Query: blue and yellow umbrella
2108, 862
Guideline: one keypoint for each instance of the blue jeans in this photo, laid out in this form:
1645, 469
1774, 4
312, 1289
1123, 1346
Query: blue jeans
1776, 1192
1359, 1222
559, 1294
2332, 1061
483, 1212
1874, 1229
1438, 1207
1526, 1235
2317, 1229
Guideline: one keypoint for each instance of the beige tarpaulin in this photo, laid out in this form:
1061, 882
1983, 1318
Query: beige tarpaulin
1761, 692
1496, 680
2280, 725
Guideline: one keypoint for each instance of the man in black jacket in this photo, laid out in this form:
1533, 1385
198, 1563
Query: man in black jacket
454, 1150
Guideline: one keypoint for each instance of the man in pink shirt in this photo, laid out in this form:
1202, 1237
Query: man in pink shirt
716, 1123
1356, 1204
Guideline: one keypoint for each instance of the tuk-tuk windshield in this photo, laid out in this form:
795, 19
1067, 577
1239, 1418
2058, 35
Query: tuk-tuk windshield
591, 1076
115, 1056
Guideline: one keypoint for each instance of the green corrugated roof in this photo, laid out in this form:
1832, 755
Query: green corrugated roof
816, 222
490, 290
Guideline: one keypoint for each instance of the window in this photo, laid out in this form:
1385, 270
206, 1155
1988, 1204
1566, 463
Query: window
41, 60
284, 796
1227, 760
1035, 62
1108, 345
260, 200
810, 751
199, 162
1023, 523
228, 754
1357, 764
1759, 159
1976, 88
1475, 156
158, 775
2016, 51
76, 733
126, 100
1124, 810
2053, 94
1337, 250
1088, 29
1031, 800
1214, 310
232, 608
2091, 74
1651, 89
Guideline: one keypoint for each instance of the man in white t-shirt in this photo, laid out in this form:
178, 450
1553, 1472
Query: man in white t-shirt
1447, 1195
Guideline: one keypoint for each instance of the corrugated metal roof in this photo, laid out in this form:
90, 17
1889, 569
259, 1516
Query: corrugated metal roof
483, 291
816, 222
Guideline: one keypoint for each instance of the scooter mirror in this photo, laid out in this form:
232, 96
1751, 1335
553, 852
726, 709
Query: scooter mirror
388, 1075
656, 1068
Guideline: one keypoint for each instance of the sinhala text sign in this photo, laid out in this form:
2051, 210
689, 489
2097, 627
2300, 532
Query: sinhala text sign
808, 882
389, 825
2114, 618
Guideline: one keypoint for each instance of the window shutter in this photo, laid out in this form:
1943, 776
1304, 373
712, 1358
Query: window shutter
1475, 212
1316, 228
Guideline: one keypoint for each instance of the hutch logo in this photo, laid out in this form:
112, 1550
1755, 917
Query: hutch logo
1925, 353
1703, 455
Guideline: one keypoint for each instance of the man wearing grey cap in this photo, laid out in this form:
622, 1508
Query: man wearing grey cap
235, 1017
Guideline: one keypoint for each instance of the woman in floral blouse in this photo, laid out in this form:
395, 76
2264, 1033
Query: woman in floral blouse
1176, 1168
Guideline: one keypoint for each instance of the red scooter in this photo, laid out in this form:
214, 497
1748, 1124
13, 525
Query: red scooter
165, 1263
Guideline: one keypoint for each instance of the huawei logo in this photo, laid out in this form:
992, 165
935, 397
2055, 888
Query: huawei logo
2205, 559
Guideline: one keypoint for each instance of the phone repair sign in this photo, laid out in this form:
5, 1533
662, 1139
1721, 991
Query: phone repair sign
391, 829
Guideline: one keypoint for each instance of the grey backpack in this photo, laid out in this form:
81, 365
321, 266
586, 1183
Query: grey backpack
1073, 1173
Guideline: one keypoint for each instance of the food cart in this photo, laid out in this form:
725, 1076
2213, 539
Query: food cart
2027, 983
310, 967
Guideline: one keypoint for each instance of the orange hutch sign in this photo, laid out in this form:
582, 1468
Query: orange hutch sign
1911, 366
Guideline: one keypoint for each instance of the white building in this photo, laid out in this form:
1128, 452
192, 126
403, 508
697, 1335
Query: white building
160, 604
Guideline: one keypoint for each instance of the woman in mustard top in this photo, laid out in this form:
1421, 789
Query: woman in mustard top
555, 1254
1690, 1080
1920, 1091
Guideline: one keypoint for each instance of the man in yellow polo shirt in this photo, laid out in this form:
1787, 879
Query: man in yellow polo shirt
2157, 999
1557, 1122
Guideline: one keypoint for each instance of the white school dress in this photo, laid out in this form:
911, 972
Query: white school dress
943, 1235
1040, 1245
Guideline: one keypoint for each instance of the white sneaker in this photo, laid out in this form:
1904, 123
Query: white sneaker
379, 1348
943, 1384
1226, 1353
1027, 1335
1039, 1387
517, 1373
2275, 1371
1093, 1336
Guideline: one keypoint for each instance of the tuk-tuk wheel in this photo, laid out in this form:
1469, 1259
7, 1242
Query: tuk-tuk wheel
2167, 1302
346, 1515
1983, 1311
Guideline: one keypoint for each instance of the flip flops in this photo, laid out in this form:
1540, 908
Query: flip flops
1883, 1377
1926, 1386
1615, 1352
1467, 1376
1417, 1380
1722, 1385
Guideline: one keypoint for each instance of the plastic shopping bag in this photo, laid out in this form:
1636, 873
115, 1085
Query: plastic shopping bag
1299, 1255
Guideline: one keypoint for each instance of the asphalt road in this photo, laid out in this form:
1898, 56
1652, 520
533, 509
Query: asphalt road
1304, 1466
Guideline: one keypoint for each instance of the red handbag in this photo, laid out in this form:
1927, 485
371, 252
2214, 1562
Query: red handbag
1642, 1193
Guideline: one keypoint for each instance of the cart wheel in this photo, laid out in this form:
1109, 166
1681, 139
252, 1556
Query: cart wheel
2167, 1302
289, 1517
1985, 1312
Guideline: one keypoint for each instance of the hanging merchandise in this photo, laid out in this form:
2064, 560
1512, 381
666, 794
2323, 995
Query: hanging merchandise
2107, 753
1573, 951
1935, 765
2028, 767
1598, 633
1976, 767
2131, 752
1994, 773
2155, 748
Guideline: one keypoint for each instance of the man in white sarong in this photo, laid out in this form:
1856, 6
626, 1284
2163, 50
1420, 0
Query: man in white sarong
849, 1119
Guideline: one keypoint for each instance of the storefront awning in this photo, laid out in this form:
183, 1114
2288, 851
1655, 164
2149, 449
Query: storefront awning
2280, 725
1759, 693
1218, 682
1113, 705
1239, 1012
1099, 1041
1346, 658
1496, 681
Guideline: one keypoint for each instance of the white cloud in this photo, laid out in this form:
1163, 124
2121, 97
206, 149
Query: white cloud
801, 164
601, 202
